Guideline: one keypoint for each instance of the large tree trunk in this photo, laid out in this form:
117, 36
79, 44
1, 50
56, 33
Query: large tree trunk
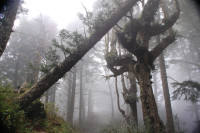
150, 113
7, 23
71, 114
54, 75
169, 114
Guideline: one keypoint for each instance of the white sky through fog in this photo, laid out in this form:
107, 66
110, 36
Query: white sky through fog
61, 11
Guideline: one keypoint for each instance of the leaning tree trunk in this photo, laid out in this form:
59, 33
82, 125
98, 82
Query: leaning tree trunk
7, 23
150, 113
58, 72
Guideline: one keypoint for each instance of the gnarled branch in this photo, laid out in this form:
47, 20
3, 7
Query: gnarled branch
165, 42
167, 22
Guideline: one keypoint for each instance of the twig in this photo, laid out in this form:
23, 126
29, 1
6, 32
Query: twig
172, 79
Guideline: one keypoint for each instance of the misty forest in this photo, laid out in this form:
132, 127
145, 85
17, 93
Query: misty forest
99, 66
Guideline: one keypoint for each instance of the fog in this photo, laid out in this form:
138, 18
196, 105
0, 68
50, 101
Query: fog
31, 54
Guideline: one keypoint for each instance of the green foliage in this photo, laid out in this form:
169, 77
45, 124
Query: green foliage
52, 59
69, 41
11, 117
94, 20
51, 110
31, 119
111, 56
189, 89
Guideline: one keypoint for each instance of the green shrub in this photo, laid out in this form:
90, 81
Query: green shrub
11, 117
29, 120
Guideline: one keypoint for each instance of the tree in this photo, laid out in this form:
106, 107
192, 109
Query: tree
189, 89
26, 49
135, 37
168, 108
58, 72
7, 23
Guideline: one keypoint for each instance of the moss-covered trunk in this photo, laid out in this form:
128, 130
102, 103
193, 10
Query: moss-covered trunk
150, 112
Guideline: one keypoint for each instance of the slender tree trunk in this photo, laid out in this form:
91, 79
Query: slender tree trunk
17, 66
81, 107
128, 106
111, 100
90, 105
7, 23
58, 72
54, 94
155, 86
111, 96
69, 94
118, 100
150, 113
133, 92
169, 114
71, 114
47, 96
196, 111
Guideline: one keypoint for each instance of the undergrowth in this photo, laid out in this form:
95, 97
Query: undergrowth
15, 120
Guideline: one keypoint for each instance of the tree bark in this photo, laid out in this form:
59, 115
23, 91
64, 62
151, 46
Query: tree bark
7, 23
90, 105
81, 106
47, 96
69, 94
111, 100
71, 114
58, 72
169, 114
150, 113
17, 66
155, 86
133, 92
